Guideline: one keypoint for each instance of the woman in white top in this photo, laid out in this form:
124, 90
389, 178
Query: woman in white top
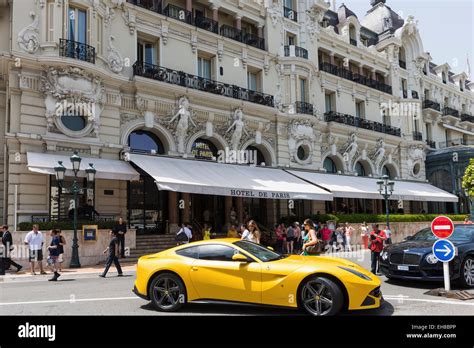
365, 235
348, 233
254, 235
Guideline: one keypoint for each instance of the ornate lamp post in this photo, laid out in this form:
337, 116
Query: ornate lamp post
60, 173
386, 190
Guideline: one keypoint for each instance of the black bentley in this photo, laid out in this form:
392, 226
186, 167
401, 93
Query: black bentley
413, 258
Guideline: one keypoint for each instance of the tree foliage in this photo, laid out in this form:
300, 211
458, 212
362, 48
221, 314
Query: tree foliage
468, 179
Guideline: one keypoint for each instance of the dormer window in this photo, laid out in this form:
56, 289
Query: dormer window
325, 23
444, 77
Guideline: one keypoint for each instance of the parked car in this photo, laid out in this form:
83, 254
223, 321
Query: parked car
413, 258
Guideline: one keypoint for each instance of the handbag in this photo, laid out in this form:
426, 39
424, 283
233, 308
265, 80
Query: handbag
315, 249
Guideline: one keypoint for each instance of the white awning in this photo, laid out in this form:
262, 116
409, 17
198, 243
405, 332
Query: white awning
366, 188
203, 177
457, 129
44, 163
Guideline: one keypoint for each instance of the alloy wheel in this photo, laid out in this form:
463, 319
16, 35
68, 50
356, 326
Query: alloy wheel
166, 292
469, 272
317, 298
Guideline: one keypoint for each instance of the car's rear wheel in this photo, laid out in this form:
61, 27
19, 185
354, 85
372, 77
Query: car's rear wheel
321, 296
167, 292
467, 272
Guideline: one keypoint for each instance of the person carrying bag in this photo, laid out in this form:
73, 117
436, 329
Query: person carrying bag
312, 245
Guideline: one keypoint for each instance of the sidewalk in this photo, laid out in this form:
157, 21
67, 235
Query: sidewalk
25, 274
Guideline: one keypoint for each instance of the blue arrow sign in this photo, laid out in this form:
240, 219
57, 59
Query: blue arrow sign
444, 250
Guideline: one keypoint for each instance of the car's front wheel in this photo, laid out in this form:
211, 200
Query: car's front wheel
167, 292
321, 296
467, 272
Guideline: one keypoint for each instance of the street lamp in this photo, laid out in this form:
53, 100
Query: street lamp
60, 173
386, 190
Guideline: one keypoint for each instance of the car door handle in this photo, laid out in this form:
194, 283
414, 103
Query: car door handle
194, 268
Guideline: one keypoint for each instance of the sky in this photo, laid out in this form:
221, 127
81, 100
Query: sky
446, 27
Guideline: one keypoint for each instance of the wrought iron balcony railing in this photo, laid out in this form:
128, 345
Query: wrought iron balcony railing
447, 111
417, 136
429, 104
349, 75
152, 5
467, 117
431, 143
206, 24
332, 116
304, 108
242, 36
76, 50
181, 78
290, 14
178, 13
299, 51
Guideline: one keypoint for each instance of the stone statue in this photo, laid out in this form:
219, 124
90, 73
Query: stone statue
238, 126
379, 155
28, 38
350, 151
184, 115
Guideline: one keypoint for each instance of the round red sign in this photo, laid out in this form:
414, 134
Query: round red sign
442, 227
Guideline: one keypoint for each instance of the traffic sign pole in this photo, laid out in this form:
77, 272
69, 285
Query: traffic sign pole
447, 279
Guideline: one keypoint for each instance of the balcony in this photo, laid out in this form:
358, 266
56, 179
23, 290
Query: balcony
206, 24
467, 118
429, 104
452, 142
242, 36
447, 111
402, 64
353, 42
332, 116
181, 78
298, 52
349, 75
290, 14
152, 5
179, 14
304, 108
431, 143
76, 50
417, 136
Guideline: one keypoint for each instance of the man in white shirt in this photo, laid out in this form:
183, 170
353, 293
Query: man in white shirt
245, 232
35, 240
184, 231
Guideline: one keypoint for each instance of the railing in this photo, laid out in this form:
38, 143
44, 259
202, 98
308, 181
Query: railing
467, 117
290, 14
353, 42
254, 40
152, 5
417, 136
206, 24
429, 104
452, 142
431, 143
181, 78
304, 108
178, 13
241, 36
447, 111
299, 52
332, 116
349, 75
76, 50
402, 64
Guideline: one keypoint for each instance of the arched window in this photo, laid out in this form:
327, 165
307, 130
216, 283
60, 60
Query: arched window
257, 155
386, 171
204, 149
360, 170
352, 35
329, 165
145, 142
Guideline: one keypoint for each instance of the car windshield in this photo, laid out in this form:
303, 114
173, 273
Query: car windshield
260, 252
462, 233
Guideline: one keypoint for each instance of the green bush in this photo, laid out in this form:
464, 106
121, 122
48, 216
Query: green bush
64, 225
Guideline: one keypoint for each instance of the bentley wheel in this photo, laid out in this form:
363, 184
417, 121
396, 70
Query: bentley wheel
467, 272
167, 292
321, 296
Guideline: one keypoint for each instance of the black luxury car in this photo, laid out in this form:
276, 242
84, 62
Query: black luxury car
413, 258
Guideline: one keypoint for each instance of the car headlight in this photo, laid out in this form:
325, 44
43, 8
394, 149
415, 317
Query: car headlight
384, 255
357, 273
431, 259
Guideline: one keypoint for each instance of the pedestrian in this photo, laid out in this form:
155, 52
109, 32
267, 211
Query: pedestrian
54, 254
35, 240
388, 234
232, 232
377, 238
364, 235
113, 250
7, 241
326, 235
290, 238
62, 243
310, 242
467, 221
283, 234
298, 241
349, 231
340, 237
121, 229
206, 234
254, 232
184, 235
279, 235
88, 211
244, 232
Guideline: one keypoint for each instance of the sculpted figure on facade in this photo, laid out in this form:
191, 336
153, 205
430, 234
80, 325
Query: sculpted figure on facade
28, 37
114, 59
184, 115
350, 151
239, 127
379, 155
416, 156
275, 13
300, 132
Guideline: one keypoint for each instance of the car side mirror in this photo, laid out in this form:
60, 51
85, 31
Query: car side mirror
270, 248
239, 258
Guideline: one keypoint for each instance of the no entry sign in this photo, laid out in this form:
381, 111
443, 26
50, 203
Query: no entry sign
442, 227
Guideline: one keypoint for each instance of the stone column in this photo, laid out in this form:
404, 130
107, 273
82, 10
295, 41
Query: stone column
331, 58
238, 22
189, 5
260, 30
215, 13
373, 75
186, 211
361, 69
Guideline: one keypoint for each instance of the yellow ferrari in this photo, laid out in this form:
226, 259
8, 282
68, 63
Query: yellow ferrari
242, 271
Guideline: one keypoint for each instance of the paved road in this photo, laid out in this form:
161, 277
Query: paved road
87, 294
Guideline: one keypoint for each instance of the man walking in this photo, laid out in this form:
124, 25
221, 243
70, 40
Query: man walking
7, 241
35, 240
377, 238
113, 250
121, 229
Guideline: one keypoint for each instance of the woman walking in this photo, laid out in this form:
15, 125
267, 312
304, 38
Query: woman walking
54, 254
310, 240
254, 232
62, 243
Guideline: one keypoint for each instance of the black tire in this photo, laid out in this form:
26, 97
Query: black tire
167, 292
467, 273
320, 296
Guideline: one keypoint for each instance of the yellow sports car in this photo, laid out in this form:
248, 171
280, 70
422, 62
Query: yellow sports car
242, 271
